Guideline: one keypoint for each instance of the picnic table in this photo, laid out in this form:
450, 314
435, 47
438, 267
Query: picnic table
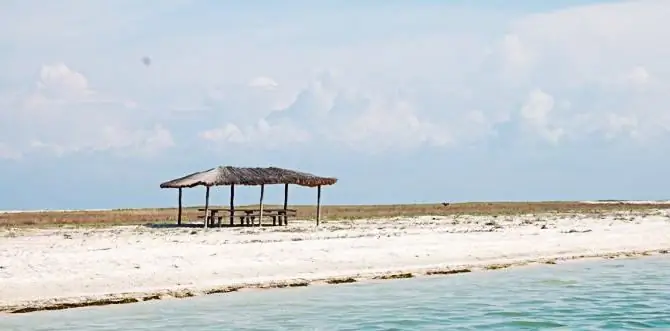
247, 216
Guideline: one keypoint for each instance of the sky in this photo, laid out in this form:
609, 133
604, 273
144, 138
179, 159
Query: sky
402, 101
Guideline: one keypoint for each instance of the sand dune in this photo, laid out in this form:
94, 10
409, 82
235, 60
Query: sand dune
49, 268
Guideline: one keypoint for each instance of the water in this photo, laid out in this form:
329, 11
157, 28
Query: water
594, 295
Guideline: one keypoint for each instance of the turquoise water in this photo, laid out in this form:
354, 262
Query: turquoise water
593, 295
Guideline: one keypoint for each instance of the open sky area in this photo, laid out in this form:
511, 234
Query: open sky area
403, 101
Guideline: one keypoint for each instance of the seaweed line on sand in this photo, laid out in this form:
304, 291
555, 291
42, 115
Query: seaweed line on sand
134, 297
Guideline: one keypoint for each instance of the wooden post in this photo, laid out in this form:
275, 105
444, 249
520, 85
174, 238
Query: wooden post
179, 209
232, 203
318, 205
260, 218
285, 217
206, 207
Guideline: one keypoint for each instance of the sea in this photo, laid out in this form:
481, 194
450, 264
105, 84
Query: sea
630, 294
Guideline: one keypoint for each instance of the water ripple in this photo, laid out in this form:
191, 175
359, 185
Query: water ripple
617, 295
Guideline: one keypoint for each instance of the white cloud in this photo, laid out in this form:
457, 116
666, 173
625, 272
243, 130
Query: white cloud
263, 83
59, 83
581, 44
517, 58
326, 112
638, 76
621, 125
63, 114
536, 113
228, 133
378, 124
272, 136
435, 84
611, 75
7, 152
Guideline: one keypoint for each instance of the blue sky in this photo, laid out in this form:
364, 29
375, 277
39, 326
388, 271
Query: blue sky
403, 101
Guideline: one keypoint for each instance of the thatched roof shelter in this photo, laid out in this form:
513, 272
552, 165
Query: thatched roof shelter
248, 176
231, 176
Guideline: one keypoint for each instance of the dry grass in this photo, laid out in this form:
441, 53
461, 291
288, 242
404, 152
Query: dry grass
168, 215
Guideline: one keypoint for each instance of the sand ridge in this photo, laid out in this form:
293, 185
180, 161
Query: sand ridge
63, 268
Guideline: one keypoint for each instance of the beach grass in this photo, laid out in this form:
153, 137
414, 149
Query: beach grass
328, 213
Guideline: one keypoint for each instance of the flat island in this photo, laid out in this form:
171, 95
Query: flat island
55, 260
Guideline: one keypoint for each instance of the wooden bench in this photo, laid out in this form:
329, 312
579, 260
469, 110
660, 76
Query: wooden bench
211, 219
283, 218
247, 215
250, 218
277, 216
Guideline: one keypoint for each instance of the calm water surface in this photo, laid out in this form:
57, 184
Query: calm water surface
593, 295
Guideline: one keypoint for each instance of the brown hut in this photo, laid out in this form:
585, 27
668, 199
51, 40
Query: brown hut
248, 176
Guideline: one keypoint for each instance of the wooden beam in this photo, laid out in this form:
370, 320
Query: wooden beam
285, 217
260, 217
206, 206
179, 210
232, 204
318, 205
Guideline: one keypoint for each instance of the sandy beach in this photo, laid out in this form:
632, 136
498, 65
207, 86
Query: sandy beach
68, 267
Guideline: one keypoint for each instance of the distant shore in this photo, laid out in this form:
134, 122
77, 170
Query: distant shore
629, 202
56, 268
104, 217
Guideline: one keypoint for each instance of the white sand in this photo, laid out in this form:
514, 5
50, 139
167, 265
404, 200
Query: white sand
628, 202
42, 267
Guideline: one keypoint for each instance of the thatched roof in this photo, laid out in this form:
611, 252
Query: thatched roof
248, 176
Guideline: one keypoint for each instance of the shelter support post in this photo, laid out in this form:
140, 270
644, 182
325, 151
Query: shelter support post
206, 206
285, 217
179, 208
260, 215
318, 205
232, 204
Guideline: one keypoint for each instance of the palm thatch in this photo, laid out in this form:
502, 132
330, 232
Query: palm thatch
248, 176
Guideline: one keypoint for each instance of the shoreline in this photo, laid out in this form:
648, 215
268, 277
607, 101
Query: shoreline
49, 269
169, 294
